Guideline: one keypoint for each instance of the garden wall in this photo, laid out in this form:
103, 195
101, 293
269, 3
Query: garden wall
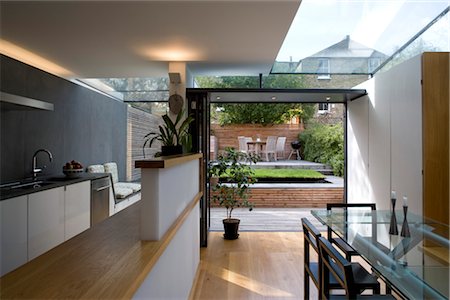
227, 135
294, 197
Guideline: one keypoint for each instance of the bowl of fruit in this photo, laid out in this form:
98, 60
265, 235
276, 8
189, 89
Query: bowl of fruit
73, 169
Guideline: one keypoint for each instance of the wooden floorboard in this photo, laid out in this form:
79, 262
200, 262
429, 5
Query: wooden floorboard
258, 265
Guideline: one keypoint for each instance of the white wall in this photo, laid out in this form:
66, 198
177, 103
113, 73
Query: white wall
384, 138
174, 273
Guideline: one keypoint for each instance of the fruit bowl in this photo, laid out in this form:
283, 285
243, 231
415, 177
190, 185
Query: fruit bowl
73, 173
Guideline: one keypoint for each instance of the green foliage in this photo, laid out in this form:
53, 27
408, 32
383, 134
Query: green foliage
324, 144
261, 113
257, 113
171, 134
288, 173
234, 192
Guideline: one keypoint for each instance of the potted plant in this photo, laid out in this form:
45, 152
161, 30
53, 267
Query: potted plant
173, 136
233, 187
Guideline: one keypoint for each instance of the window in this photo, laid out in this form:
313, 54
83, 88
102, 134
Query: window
324, 108
373, 64
324, 69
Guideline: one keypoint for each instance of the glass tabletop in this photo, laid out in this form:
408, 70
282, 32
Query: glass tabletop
417, 266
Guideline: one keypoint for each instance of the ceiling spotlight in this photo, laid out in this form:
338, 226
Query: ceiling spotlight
274, 98
218, 98
328, 98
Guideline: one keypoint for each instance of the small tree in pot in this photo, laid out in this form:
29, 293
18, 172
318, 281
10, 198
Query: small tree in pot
233, 188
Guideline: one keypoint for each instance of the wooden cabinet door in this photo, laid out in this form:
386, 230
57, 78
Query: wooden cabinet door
13, 233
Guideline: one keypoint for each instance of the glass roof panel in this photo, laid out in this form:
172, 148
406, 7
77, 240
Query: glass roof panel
353, 36
151, 89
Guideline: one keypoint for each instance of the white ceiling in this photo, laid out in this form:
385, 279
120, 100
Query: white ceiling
137, 38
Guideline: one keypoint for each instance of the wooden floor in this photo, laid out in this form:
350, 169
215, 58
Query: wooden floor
258, 265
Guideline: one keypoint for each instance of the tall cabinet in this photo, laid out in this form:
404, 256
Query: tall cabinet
398, 137
435, 127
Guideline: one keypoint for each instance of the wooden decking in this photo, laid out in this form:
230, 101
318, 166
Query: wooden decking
258, 265
265, 219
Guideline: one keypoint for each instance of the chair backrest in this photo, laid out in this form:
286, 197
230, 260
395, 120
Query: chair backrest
345, 206
111, 167
281, 141
311, 235
271, 143
96, 169
242, 143
336, 264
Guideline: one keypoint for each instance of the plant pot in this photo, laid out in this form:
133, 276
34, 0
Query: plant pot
171, 150
213, 181
231, 227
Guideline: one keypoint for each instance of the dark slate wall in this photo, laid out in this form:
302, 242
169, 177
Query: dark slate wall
85, 126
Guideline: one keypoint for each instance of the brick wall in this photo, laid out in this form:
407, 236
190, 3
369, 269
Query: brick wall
294, 198
227, 136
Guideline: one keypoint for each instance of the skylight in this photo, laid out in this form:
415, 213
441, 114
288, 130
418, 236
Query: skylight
357, 37
151, 89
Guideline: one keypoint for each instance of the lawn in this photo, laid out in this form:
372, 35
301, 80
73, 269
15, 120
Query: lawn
288, 173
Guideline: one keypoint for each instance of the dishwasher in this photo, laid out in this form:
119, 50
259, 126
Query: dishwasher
99, 199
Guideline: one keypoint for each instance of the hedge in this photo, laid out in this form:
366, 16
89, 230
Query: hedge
324, 144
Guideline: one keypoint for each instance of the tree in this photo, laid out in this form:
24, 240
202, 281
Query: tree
257, 113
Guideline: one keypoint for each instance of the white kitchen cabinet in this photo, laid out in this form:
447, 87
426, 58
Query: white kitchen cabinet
77, 208
45, 221
13, 230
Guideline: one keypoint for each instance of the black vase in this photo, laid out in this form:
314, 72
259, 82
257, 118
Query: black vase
171, 150
231, 227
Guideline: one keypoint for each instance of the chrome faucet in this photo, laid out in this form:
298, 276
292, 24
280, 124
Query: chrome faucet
35, 169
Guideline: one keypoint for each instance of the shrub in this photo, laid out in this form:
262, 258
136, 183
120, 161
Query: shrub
324, 144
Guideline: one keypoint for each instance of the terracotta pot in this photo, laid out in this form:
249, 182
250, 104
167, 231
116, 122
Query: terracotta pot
231, 228
213, 181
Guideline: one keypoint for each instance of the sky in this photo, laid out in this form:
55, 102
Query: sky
384, 25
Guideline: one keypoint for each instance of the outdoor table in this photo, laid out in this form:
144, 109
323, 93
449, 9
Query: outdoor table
258, 145
417, 267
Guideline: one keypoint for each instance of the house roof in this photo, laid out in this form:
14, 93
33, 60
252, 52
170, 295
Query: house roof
348, 48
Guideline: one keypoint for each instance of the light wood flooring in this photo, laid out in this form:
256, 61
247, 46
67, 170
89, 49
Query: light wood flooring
258, 265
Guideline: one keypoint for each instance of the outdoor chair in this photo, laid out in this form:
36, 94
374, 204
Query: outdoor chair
243, 147
281, 141
271, 148
352, 277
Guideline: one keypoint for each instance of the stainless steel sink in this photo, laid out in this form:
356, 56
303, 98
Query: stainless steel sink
26, 185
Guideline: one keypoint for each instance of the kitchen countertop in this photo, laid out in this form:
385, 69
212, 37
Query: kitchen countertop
107, 261
51, 183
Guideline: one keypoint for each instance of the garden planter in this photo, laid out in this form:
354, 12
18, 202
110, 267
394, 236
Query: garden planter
231, 227
171, 150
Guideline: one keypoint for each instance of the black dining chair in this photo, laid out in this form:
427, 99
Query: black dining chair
312, 268
339, 242
351, 276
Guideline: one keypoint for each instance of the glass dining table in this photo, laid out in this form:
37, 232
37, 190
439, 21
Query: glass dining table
415, 266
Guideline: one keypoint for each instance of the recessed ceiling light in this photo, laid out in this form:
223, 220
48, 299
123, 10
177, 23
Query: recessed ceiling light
218, 98
274, 98
328, 98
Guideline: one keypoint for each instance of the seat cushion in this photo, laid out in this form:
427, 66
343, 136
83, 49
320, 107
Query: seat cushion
122, 192
96, 169
136, 187
111, 167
